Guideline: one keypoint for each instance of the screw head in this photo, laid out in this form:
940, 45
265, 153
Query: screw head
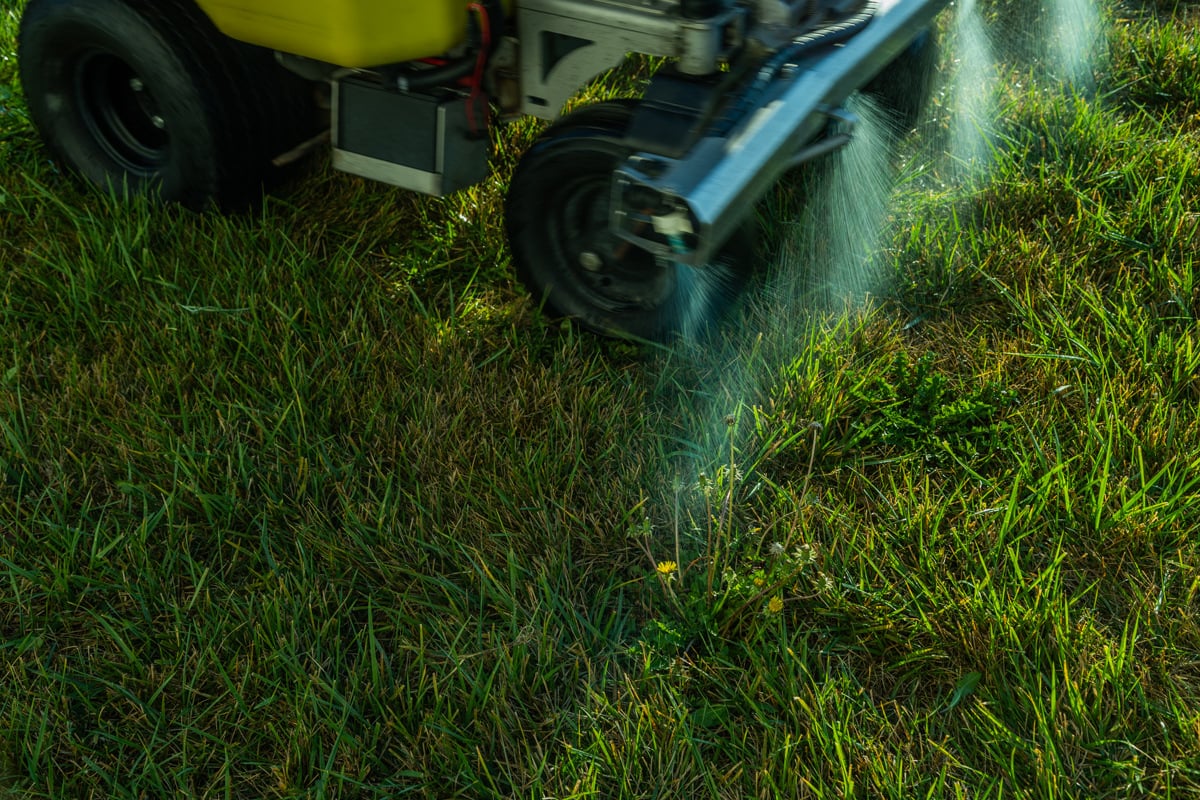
590, 261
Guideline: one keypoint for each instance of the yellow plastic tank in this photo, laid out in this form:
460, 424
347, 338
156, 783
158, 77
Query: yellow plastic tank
350, 33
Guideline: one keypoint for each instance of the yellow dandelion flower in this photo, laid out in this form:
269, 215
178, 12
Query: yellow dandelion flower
666, 567
775, 604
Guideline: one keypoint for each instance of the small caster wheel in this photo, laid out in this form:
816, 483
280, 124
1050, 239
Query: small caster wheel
557, 215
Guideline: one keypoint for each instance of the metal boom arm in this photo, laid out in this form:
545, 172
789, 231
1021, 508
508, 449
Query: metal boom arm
698, 199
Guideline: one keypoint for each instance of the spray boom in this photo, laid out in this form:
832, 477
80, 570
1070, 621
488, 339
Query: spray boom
684, 207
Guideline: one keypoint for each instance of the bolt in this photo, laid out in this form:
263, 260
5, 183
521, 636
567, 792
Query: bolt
158, 121
590, 261
136, 84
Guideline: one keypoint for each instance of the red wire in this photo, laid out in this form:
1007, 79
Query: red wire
485, 35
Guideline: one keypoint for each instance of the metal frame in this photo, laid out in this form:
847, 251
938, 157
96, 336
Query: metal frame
566, 43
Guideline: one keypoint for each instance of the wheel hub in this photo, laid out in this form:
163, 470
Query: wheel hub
617, 276
121, 113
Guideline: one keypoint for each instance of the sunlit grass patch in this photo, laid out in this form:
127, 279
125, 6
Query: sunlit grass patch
1155, 63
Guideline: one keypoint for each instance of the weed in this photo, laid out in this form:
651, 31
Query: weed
729, 581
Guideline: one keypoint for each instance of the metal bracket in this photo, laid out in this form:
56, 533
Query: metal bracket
567, 43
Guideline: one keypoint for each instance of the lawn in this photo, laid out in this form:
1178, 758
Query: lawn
313, 501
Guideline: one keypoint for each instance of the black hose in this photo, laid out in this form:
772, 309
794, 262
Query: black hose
838, 32
416, 80
436, 76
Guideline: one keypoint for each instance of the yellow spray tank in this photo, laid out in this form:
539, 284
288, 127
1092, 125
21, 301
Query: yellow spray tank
350, 33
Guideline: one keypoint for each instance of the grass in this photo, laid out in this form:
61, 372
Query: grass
312, 502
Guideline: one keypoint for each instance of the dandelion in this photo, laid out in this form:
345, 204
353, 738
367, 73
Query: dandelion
806, 554
666, 567
775, 605
777, 549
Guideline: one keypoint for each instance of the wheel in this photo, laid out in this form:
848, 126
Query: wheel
904, 86
557, 215
148, 96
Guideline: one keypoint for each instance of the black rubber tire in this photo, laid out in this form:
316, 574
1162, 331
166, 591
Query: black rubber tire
557, 211
904, 87
148, 96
